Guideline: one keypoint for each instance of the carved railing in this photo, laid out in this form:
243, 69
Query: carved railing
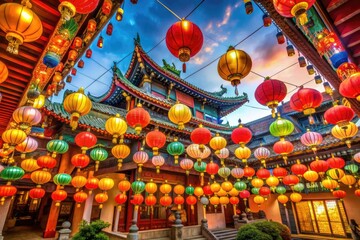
206, 232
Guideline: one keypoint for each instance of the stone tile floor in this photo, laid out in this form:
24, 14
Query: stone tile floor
24, 233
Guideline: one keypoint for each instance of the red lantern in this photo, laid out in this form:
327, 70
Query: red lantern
335, 162
137, 199
319, 166
6, 191
350, 87
138, 118
184, 39
155, 140
266, 20
109, 29
73, 71
357, 192
245, 194
201, 136
46, 162
79, 198
345, 70
81, 64
207, 190
298, 169
291, 180
77, 43
150, 200
82, 7
280, 38
80, 160
339, 194
179, 200
234, 200
92, 183
100, 42
120, 199
297, 8
85, 140
339, 115
91, 27
212, 169
191, 200
249, 172
264, 191
306, 100
134, 1
263, 173
283, 148
59, 67
311, 139
280, 172
270, 93
166, 201
73, 54
106, 7
88, 53
58, 196
36, 193
241, 135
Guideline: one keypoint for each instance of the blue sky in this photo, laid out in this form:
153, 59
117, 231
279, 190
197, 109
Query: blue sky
223, 23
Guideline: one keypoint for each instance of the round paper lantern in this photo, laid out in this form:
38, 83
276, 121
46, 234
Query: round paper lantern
237, 172
352, 168
311, 176
204, 201
280, 189
6, 191
215, 201
187, 165
194, 151
215, 187
77, 104
137, 200
319, 166
179, 189
295, 197
20, 24
184, 39
36, 194
27, 146
13, 137
124, 185
98, 154
4, 72
140, 157
224, 200
330, 184
281, 128
207, 190
335, 162
245, 194
339, 115
57, 146
101, 198
200, 136
280, 172
345, 134
62, 179
233, 66
79, 198
349, 88
120, 199
298, 169
175, 149
226, 186
257, 183
264, 191
243, 153
198, 191
335, 173
138, 118
116, 127
212, 169
68, 8
165, 201
29, 165
270, 93
240, 185
348, 180
241, 135
46, 162
345, 70
85, 140
106, 184
299, 187
120, 151
80, 160
179, 114
262, 153
339, 194
138, 186
249, 172
223, 154
91, 184
224, 172
221, 193
191, 200
259, 200
12, 173
217, 143
158, 161
291, 180
155, 140
233, 192
40, 177
150, 200
357, 192
78, 182
283, 148
58, 196
272, 182
290, 9
311, 139
263, 173
201, 168
283, 199
357, 157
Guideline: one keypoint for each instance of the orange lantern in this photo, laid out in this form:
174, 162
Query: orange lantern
259, 200
101, 198
120, 199
124, 185
91, 27
191, 200
120, 151
348, 180
295, 197
330, 184
6, 191
283, 199
29, 165
198, 191
311, 175
40, 177
91, 184
155, 140
58, 196
165, 201
78, 182
80, 197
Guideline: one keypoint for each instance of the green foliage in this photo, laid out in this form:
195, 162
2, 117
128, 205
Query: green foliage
250, 232
284, 231
264, 230
268, 228
91, 231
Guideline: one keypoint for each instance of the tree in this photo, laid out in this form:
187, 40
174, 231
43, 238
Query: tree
92, 231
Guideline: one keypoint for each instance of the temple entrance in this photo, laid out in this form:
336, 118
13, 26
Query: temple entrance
323, 217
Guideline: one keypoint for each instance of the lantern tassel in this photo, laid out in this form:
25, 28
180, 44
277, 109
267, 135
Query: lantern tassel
96, 165
273, 113
119, 208
348, 143
201, 179
192, 209
234, 208
302, 18
157, 169
236, 91
119, 163
184, 67
285, 159
176, 159
74, 120
23, 155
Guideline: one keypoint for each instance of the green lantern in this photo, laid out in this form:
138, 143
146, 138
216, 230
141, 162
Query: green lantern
201, 168
255, 190
57, 146
69, 29
280, 189
12, 173
62, 179
98, 154
240, 185
189, 190
299, 187
224, 172
138, 186
175, 149
353, 168
281, 127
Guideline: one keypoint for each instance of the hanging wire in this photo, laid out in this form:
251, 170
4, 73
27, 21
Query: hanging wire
194, 9
171, 11
156, 45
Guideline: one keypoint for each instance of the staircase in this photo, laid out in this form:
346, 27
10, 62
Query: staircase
225, 234
197, 237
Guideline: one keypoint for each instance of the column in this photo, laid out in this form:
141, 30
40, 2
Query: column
146, 84
77, 217
116, 222
88, 207
4, 209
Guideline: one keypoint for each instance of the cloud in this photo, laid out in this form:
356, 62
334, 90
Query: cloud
225, 18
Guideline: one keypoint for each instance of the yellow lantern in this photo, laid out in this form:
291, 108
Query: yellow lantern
151, 187
217, 143
257, 182
335, 173
40, 177
29, 165
4, 72
227, 186
224, 201
124, 185
77, 104
345, 134
233, 192
295, 197
115, 126
215, 187
221, 193
259, 200
243, 153
106, 184
272, 182
179, 189
20, 24
39, 102
233, 66
311, 175
198, 191
13, 137
120, 151
180, 114
78, 182
214, 200
165, 188
330, 184
348, 180
283, 199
